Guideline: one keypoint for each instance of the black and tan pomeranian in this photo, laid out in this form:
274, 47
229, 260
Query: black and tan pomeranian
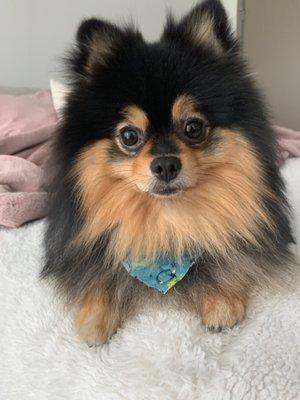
167, 186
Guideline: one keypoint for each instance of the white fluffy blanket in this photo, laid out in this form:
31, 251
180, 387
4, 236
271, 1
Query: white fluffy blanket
157, 356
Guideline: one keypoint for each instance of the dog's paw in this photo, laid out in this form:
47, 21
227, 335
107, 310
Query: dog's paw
95, 321
219, 312
94, 333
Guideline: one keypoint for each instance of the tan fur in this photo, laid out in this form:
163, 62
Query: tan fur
133, 115
184, 107
201, 30
96, 320
223, 202
222, 310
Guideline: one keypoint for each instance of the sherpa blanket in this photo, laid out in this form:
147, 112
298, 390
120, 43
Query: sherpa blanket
164, 355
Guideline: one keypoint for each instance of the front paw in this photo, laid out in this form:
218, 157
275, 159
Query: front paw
94, 333
219, 312
96, 321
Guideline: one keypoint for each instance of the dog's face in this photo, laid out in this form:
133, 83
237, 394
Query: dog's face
160, 159
167, 134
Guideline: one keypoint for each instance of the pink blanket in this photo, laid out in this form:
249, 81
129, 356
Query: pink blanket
27, 126
289, 143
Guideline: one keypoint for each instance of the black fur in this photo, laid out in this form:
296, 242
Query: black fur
164, 145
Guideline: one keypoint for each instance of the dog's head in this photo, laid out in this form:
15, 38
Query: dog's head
153, 104
168, 141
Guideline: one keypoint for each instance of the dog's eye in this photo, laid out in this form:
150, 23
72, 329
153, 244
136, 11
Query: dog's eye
131, 138
195, 129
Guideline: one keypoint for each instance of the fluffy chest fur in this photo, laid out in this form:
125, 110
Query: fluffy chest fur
225, 204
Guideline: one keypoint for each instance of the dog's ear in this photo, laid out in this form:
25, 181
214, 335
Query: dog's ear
97, 42
205, 26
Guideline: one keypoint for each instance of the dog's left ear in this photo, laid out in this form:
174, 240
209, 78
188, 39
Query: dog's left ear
205, 26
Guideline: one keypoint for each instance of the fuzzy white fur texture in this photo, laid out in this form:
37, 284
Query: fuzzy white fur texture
163, 355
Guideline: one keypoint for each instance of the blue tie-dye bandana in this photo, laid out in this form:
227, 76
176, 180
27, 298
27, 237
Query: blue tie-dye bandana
161, 274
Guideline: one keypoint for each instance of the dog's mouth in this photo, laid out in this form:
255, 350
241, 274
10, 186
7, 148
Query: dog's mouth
166, 190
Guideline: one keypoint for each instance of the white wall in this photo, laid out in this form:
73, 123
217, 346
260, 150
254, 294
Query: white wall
35, 33
271, 42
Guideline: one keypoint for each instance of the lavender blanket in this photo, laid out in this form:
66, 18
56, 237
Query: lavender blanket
27, 127
289, 143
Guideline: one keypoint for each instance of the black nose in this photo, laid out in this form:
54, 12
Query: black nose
166, 168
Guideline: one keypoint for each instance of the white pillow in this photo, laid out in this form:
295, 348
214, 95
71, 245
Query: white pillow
59, 93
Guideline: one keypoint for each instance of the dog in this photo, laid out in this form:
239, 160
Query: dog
167, 188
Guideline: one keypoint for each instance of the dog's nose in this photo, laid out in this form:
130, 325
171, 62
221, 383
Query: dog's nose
166, 168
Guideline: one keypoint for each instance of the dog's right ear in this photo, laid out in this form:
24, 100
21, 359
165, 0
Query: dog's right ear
97, 41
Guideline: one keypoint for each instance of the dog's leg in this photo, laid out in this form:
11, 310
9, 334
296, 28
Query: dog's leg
221, 309
97, 319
